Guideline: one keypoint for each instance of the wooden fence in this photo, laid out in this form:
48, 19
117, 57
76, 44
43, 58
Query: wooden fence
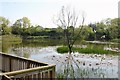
15, 68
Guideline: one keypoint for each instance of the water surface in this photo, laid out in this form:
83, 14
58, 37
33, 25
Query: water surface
96, 66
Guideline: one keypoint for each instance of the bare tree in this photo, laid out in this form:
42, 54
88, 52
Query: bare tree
68, 20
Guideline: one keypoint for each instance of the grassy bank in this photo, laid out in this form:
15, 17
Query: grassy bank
115, 40
11, 38
87, 50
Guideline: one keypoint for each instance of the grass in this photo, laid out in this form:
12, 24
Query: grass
62, 49
87, 50
11, 38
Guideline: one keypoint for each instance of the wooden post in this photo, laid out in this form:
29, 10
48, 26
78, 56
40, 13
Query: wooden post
10, 66
53, 72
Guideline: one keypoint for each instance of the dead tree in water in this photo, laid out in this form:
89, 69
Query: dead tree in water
68, 20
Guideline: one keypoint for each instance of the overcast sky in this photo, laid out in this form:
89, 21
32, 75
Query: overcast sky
41, 12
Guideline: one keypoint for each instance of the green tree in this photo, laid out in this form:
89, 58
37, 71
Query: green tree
114, 29
21, 26
101, 31
4, 26
87, 33
107, 29
25, 22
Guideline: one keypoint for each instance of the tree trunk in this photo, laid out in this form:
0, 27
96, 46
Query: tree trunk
70, 49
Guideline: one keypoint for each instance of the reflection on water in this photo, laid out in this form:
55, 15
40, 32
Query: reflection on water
90, 65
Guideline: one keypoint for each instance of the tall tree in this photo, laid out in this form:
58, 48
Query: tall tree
20, 26
16, 28
68, 20
114, 28
4, 26
26, 22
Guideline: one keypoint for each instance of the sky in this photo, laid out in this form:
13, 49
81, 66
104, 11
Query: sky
41, 12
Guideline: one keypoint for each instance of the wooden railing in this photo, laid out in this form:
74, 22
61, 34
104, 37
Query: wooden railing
13, 67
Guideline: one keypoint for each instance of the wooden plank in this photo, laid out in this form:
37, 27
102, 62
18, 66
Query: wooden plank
10, 65
46, 74
29, 70
39, 75
53, 70
0, 62
8, 55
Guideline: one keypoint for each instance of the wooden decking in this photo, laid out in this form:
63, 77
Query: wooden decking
12, 68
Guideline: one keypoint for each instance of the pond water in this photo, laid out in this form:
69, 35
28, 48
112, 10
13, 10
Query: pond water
91, 65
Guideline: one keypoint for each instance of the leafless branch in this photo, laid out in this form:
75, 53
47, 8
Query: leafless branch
68, 20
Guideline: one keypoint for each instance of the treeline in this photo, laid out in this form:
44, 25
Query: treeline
107, 30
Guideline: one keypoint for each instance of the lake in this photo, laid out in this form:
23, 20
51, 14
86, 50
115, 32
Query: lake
91, 65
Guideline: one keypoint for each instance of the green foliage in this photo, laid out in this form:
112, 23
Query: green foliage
25, 22
87, 33
115, 40
3, 20
106, 30
5, 29
109, 28
4, 26
87, 50
21, 26
11, 38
